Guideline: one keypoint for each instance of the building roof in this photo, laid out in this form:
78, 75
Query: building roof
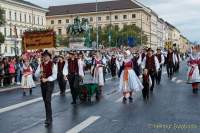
173, 27
91, 7
27, 3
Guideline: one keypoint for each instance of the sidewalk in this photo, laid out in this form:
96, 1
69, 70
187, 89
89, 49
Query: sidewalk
13, 87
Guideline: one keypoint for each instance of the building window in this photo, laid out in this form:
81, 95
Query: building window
5, 50
116, 27
91, 19
38, 19
133, 16
125, 25
116, 17
20, 17
99, 27
29, 18
59, 31
10, 32
67, 20
83, 19
5, 32
125, 16
52, 21
134, 24
107, 17
33, 19
99, 18
59, 21
20, 32
42, 21
12, 50
15, 16
25, 18
10, 15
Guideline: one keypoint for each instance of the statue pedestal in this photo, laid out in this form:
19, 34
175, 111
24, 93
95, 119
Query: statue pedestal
75, 43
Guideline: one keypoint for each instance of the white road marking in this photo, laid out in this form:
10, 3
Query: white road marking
83, 124
179, 81
19, 105
174, 78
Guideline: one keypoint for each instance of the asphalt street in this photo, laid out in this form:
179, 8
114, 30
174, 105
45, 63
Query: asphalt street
172, 108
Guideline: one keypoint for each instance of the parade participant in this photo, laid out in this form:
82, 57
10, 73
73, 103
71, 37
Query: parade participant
12, 70
136, 66
81, 64
47, 71
73, 74
170, 60
147, 82
161, 60
113, 66
193, 71
142, 55
27, 78
129, 81
178, 59
60, 78
151, 63
97, 73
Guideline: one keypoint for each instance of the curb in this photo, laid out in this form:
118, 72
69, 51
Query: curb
13, 88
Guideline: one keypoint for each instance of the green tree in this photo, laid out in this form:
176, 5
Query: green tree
2, 22
119, 37
62, 41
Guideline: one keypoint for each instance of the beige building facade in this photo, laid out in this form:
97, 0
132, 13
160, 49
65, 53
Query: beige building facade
110, 12
19, 16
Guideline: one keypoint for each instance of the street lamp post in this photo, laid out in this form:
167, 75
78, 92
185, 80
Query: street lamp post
110, 36
97, 37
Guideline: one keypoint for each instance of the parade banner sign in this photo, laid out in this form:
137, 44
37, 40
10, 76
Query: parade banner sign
39, 39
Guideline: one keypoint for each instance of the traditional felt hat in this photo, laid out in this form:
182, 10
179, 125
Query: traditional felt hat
46, 53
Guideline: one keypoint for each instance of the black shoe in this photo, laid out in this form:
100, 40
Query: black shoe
124, 99
62, 93
73, 103
24, 93
30, 91
130, 99
196, 91
48, 123
193, 90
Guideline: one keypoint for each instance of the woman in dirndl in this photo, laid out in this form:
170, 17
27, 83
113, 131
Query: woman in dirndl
129, 82
97, 72
27, 78
193, 71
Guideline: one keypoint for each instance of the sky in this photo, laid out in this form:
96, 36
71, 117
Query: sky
183, 14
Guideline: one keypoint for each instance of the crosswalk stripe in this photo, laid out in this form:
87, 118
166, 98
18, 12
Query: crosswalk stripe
19, 105
83, 124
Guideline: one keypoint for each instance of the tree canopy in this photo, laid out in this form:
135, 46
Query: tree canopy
119, 36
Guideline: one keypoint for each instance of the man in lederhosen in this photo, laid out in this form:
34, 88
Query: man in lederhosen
161, 60
151, 63
47, 71
73, 74
61, 80
113, 66
171, 60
